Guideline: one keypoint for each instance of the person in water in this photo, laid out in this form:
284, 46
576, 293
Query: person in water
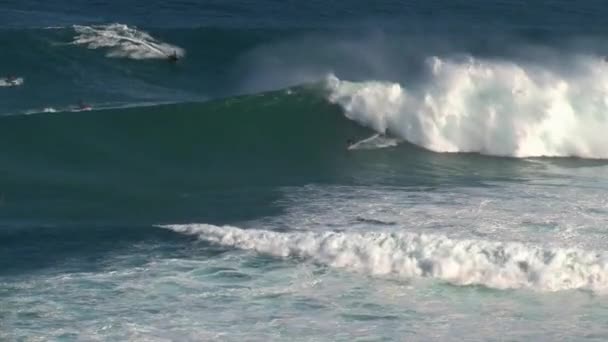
11, 80
82, 105
174, 57
349, 142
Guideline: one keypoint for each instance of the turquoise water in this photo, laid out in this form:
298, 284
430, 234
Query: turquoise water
315, 171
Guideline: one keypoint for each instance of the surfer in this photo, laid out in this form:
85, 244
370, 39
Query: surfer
83, 106
173, 57
349, 142
11, 80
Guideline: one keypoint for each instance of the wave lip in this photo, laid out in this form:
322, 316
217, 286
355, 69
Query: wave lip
406, 255
124, 41
488, 107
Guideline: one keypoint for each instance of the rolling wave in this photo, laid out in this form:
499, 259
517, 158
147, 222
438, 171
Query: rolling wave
207, 143
506, 107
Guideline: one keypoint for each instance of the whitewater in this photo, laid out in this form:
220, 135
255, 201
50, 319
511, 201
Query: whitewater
404, 255
124, 41
496, 108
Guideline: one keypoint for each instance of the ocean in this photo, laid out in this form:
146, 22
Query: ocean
304, 171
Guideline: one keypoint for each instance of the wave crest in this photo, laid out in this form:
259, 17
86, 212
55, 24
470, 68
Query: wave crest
489, 107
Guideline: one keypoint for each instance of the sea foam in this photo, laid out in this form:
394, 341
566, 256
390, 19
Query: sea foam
500, 265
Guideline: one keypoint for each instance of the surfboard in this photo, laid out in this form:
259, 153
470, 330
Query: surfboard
374, 142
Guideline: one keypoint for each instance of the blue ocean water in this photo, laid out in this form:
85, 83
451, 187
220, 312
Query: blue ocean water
327, 171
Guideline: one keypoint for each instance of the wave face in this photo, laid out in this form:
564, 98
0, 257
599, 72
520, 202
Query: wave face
465, 262
291, 137
490, 107
281, 138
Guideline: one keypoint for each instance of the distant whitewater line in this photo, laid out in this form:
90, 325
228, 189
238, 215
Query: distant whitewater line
407, 255
489, 107
124, 41
95, 107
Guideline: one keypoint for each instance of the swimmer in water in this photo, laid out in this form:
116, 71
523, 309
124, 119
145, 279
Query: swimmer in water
12, 80
83, 106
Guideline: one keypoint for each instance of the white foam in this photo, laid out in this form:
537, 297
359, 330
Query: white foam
490, 107
5, 82
461, 262
563, 213
124, 41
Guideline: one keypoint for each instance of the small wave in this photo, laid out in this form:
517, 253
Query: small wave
489, 107
407, 255
124, 41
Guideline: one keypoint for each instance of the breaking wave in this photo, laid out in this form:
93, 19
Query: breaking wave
406, 255
124, 41
491, 107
